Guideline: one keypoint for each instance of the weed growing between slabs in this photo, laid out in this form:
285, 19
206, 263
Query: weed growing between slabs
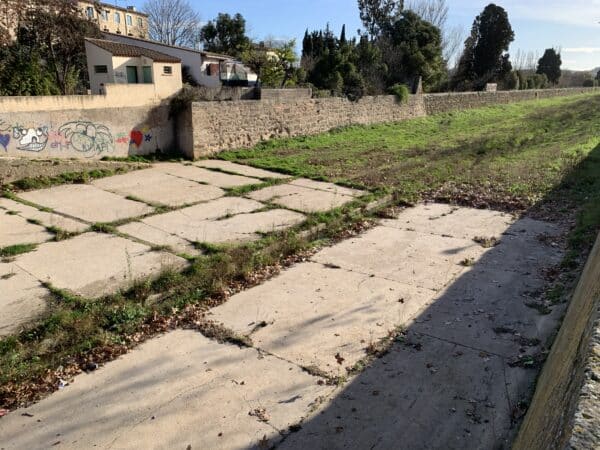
80, 333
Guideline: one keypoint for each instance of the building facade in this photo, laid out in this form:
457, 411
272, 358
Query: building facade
113, 19
117, 63
109, 18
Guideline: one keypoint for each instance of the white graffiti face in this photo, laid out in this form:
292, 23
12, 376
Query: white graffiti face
31, 139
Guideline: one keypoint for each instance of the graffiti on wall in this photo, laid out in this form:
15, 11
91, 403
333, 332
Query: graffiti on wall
81, 136
4, 135
88, 137
138, 136
31, 139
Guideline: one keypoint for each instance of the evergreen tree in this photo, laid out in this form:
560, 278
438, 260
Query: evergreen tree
549, 65
343, 36
484, 59
226, 35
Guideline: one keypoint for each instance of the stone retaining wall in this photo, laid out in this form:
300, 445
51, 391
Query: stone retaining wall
212, 127
439, 103
558, 393
228, 125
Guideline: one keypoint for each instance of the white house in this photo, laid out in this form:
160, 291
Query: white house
117, 63
207, 69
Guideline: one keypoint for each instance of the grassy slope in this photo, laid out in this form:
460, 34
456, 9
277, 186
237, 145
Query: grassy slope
522, 150
543, 155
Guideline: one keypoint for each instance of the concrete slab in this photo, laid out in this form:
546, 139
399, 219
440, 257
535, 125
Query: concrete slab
176, 391
154, 186
86, 202
195, 221
22, 298
243, 227
327, 187
94, 264
16, 230
448, 220
311, 313
49, 219
428, 394
300, 198
201, 175
240, 169
423, 260
157, 237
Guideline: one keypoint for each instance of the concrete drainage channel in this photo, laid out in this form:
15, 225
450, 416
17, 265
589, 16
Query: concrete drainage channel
441, 296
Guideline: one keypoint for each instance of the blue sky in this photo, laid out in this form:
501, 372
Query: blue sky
572, 25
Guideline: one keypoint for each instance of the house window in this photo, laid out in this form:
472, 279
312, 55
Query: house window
105, 15
168, 70
140, 22
89, 11
100, 69
129, 20
117, 17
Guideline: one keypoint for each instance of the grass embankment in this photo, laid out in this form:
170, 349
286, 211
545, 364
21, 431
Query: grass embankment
542, 154
545, 153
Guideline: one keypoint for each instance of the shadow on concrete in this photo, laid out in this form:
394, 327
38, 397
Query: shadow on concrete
463, 373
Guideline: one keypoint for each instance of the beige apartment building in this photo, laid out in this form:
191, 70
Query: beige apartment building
114, 19
110, 18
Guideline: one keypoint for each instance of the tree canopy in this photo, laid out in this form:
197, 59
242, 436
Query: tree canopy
226, 34
484, 58
549, 65
48, 56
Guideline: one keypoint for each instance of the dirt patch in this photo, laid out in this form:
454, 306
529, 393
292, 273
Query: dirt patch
14, 169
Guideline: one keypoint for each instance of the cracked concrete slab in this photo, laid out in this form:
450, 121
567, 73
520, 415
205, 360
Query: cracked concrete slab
48, 219
487, 309
201, 175
154, 186
22, 298
454, 221
157, 237
197, 223
86, 202
311, 313
428, 261
301, 198
327, 187
239, 228
94, 264
180, 390
16, 230
424, 394
240, 169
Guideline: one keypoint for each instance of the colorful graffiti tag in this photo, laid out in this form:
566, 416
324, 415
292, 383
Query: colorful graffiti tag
140, 135
31, 139
82, 136
4, 135
88, 137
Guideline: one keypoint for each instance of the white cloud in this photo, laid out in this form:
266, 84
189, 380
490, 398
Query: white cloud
581, 50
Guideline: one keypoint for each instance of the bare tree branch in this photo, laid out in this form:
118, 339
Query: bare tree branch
173, 22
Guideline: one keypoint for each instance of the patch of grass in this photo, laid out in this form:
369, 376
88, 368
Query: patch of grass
246, 189
18, 249
27, 184
506, 156
60, 234
107, 228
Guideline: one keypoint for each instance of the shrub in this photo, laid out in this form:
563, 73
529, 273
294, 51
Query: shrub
588, 83
400, 91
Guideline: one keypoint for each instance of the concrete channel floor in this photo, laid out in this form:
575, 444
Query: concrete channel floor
149, 241
447, 382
